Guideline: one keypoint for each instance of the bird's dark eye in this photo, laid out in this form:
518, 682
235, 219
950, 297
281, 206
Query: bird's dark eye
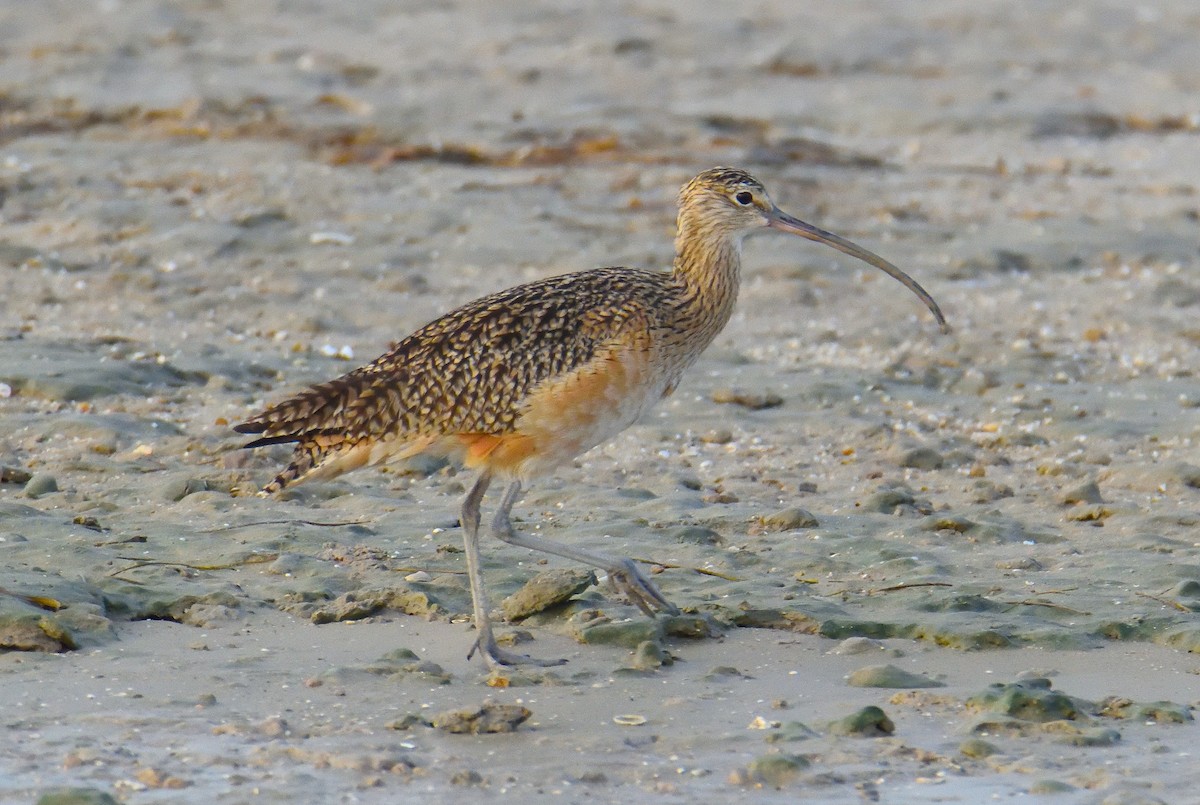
744, 198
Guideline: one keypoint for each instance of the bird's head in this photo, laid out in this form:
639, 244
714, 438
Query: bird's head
728, 204
726, 201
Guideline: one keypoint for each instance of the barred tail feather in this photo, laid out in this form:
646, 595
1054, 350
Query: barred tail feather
305, 459
319, 408
336, 426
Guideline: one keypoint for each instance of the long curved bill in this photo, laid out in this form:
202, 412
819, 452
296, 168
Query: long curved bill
777, 219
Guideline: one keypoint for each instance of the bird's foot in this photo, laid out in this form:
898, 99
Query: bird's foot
627, 579
497, 658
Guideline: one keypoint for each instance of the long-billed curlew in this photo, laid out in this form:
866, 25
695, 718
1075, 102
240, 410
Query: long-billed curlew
522, 381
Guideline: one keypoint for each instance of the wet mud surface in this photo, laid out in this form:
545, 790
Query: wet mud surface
204, 208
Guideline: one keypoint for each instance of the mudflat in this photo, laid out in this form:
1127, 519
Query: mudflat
912, 566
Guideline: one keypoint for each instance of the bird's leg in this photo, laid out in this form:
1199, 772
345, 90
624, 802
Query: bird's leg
623, 574
486, 640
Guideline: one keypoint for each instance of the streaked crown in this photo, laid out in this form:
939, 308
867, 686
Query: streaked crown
724, 200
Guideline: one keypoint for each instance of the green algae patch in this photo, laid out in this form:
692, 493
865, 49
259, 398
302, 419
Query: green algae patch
1161, 712
1027, 700
869, 722
77, 796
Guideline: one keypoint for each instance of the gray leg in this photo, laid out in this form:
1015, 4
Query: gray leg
623, 575
486, 641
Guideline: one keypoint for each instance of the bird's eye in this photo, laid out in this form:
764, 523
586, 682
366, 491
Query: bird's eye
744, 198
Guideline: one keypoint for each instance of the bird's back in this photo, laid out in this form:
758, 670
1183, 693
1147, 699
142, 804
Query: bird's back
475, 371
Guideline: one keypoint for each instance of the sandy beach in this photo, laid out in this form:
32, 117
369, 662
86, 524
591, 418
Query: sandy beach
913, 567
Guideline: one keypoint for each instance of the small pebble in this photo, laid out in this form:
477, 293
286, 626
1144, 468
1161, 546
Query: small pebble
466, 777
977, 748
545, 590
788, 519
718, 436
648, 656
14, 475
985, 491
1084, 493
697, 535
489, 718
858, 645
754, 402
886, 501
177, 489
776, 771
889, 676
1098, 736
40, 484
331, 238
153, 778
273, 727
789, 731
922, 458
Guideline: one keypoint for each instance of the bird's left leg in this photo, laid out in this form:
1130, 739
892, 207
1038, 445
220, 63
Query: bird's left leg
486, 641
623, 574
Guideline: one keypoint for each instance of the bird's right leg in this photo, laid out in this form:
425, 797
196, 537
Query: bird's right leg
486, 641
623, 574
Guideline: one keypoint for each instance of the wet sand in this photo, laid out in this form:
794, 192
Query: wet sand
205, 207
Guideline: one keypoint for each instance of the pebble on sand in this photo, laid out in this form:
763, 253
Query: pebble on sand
14, 475
40, 484
649, 655
886, 501
545, 590
921, 458
889, 676
1050, 787
488, 718
1093, 736
468, 777
755, 402
788, 519
776, 771
630, 634
789, 731
977, 748
858, 645
177, 489
1088, 492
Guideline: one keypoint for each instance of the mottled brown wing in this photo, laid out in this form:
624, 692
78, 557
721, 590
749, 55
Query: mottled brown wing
467, 372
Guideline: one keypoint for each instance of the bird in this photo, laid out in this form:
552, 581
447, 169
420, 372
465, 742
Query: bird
520, 382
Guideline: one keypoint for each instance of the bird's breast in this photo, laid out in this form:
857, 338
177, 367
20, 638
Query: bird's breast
569, 414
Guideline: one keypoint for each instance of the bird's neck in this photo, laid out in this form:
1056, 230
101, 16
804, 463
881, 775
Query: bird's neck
708, 268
